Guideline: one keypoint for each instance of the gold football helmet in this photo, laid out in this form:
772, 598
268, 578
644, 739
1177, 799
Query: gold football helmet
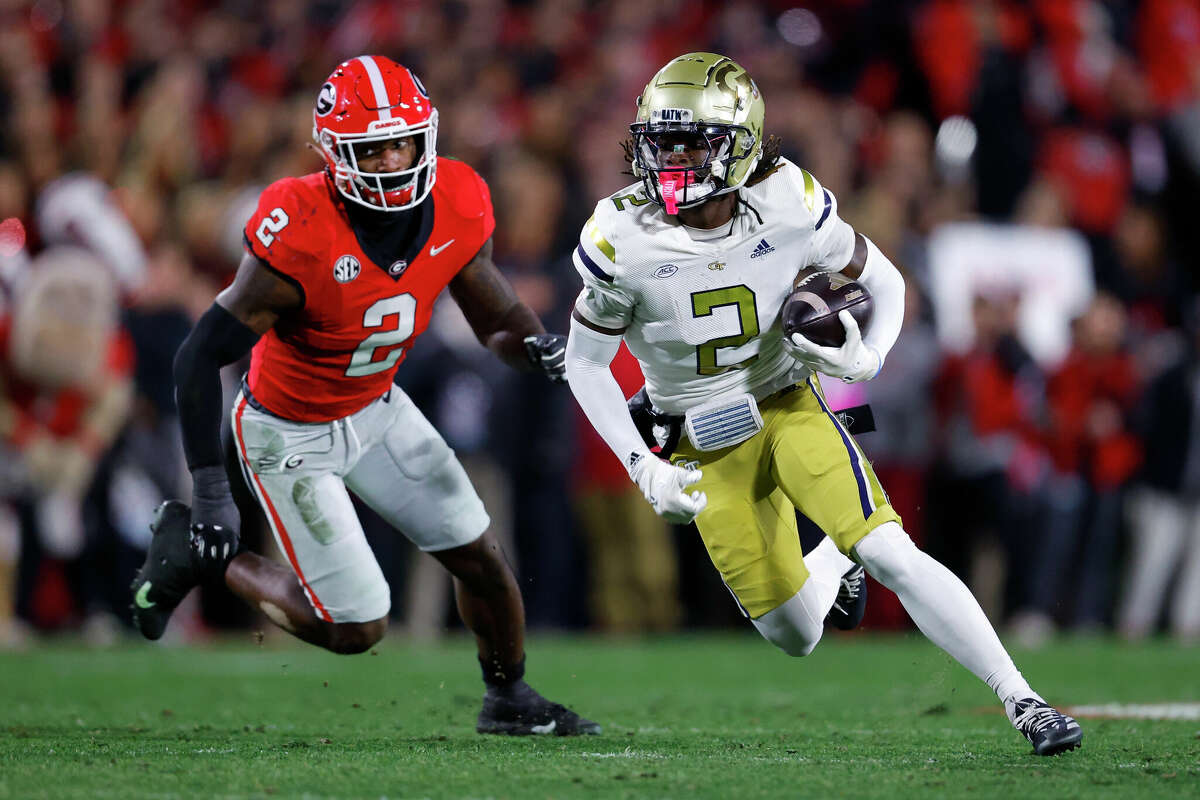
699, 130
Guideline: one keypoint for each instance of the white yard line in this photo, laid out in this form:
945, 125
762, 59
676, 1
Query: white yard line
1186, 711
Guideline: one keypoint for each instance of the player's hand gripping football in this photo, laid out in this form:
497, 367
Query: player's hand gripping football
215, 519
548, 353
854, 361
664, 486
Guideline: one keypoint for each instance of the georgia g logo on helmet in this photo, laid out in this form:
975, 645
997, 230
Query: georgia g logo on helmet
698, 132
326, 99
367, 101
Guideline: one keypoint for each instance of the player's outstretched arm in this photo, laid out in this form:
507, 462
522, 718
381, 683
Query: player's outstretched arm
590, 351
224, 334
504, 324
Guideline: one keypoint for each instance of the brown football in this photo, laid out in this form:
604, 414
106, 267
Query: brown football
812, 307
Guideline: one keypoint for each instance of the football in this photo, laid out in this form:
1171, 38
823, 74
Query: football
812, 307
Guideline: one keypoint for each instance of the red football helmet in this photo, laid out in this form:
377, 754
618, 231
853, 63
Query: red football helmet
373, 99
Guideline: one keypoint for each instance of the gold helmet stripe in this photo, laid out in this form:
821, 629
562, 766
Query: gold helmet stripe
593, 232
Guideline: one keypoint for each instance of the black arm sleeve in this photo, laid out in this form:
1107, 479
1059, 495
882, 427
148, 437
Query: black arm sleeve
218, 338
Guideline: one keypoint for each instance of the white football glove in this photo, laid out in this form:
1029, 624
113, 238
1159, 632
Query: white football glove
664, 484
854, 361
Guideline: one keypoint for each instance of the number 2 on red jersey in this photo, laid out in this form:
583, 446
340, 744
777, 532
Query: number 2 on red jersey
404, 305
277, 221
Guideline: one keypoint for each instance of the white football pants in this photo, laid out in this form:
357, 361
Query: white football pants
392, 458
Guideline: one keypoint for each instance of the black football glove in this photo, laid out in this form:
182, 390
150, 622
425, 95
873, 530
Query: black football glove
548, 353
659, 431
215, 519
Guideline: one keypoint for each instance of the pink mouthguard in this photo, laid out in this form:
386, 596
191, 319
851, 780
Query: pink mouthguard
669, 185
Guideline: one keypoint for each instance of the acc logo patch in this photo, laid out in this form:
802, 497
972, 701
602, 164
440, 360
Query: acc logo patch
346, 269
716, 265
326, 99
666, 271
397, 268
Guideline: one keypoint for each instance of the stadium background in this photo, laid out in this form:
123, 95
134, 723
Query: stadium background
1036, 430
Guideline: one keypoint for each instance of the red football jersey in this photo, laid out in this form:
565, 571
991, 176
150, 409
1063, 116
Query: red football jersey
341, 350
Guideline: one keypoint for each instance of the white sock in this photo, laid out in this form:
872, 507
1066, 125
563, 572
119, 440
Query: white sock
943, 608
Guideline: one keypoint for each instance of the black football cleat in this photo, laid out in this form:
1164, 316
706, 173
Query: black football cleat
851, 602
518, 710
169, 572
1048, 730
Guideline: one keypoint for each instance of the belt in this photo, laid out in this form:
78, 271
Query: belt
778, 393
858, 419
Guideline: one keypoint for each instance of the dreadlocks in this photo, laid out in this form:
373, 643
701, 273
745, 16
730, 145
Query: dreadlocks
769, 161
766, 165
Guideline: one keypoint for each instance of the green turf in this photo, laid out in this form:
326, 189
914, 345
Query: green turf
684, 717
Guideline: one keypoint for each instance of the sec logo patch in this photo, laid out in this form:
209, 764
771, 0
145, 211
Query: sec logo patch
346, 269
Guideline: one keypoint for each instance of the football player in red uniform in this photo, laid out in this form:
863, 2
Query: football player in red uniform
341, 271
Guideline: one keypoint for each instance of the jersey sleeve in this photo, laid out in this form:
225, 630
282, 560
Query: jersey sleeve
603, 301
486, 214
832, 243
472, 201
279, 231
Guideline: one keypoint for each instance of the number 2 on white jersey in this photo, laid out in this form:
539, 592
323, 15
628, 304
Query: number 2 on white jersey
272, 225
404, 305
703, 304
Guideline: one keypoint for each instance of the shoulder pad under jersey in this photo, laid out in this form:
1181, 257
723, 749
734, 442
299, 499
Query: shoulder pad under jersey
602, 233
291, 223
466, 194
817, 201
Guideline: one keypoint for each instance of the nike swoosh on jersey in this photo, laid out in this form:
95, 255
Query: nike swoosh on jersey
142, 597
433, 251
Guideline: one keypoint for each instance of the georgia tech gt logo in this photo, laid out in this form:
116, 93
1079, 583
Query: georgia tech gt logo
346, 269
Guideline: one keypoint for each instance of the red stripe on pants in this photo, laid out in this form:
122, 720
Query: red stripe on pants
275, 520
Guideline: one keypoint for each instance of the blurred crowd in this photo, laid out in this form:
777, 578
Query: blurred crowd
1033, 167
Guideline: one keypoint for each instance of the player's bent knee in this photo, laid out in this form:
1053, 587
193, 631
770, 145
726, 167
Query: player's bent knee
796, 634
351, 638
795, 644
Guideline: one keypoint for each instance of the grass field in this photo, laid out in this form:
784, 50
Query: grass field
684, 717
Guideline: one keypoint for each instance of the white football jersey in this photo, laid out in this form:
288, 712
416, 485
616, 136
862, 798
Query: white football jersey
700, 309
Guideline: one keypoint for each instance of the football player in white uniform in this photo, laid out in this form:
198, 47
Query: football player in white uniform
690, 266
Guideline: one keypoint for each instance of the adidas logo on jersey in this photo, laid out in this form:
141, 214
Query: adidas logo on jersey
762, 249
